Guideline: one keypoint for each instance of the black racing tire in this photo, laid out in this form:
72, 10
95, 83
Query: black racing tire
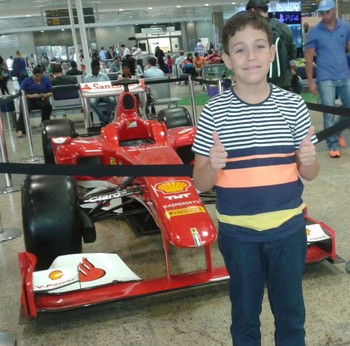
52, 225
55, 128
175, 117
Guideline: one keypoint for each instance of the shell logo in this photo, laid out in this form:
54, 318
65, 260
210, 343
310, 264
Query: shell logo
308, 232
55, 275
172, 186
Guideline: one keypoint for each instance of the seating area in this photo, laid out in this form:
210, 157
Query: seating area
163, 91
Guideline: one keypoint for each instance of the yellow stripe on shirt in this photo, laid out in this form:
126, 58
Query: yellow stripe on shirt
261, 222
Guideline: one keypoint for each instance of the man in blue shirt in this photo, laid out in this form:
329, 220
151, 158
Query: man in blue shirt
38, 90
327, 41
97, 76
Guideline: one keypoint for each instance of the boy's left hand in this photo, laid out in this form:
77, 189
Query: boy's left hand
307, 150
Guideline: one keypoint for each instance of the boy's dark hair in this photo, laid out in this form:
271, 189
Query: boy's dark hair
95, 63
152, 61
241, 20
73, 64
57, 68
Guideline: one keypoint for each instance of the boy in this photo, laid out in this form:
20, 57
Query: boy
253, 141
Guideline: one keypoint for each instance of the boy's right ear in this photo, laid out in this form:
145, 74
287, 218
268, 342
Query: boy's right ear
226, 58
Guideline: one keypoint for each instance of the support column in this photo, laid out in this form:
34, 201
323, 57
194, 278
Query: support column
217, 19
74, 33
84, 42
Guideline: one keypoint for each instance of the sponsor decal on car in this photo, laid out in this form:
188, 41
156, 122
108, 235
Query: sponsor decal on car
184, 211
174, 186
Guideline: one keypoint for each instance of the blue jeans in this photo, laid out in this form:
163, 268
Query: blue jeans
104, 117
278, 264
328, 90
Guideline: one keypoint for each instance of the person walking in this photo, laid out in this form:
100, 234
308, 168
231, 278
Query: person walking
19, 67
253, 143
327, 41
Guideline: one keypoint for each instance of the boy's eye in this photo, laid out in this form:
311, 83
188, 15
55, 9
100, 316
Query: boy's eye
239, 50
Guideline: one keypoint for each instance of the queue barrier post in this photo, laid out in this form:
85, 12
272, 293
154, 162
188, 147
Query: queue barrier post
8, 234
32, 157
6, 339
192, 100
9, 188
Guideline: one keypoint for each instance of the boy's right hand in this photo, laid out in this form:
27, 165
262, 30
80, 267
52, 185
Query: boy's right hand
218, 153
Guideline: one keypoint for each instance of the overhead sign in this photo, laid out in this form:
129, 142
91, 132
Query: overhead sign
61, 16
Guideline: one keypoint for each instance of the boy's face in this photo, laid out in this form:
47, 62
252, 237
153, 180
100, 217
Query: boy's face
250, 55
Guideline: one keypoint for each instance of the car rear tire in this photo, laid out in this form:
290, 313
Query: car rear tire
55, 128
175, 117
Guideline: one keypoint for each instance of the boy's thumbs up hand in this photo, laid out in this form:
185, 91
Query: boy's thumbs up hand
307, 151
218, 153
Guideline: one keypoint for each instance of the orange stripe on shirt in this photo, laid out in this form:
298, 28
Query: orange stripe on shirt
257, 176
253, 157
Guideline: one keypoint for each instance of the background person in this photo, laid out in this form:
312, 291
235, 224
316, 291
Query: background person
115, 65
97, 76
151, 70
59, 78
262, 234
328, 40
4, 77
286, 35
74, 71
159, 54
19, 67
38, 90
136, 52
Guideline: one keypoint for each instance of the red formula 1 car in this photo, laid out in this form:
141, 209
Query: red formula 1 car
58, 211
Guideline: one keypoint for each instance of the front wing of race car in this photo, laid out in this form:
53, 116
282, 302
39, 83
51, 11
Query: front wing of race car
37, 296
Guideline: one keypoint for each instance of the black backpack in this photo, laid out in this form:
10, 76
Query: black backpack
281, 62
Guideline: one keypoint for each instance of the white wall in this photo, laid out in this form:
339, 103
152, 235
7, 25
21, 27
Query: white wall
25, 44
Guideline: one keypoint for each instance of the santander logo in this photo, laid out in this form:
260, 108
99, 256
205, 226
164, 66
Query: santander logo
98, 86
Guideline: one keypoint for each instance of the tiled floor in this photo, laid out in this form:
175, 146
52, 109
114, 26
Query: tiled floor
198, 315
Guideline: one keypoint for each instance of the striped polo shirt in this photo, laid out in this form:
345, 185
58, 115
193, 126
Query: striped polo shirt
259, 190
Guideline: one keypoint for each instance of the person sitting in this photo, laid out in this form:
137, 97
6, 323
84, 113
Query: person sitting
198, 62
97, 76
37, 91
115, 65
74, 71
59, 78
151, 70
188, 66
215, 57
126, 71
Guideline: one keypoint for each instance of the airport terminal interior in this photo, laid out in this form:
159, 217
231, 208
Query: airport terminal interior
200, 314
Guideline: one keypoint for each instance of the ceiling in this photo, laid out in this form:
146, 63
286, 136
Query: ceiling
29, 15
